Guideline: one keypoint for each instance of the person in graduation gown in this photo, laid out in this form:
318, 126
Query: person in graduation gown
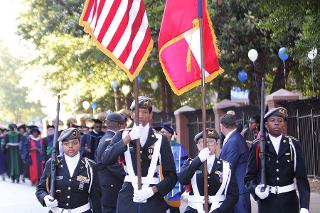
47, 143
222, 185
76, 182
179, 156
31, 155
110, 176
284, 164
11, 142
155, 153
2, 156
90, 141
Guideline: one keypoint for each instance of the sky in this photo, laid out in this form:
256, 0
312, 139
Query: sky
9, 12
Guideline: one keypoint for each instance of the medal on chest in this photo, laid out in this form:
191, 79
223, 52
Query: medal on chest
82, 180
219, 175
150, 151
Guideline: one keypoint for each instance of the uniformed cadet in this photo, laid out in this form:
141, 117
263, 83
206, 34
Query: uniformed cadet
155, 151
222, 186
284, 163
76, 181
110, 176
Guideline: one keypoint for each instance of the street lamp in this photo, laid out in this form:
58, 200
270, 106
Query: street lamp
125, 89
115, 87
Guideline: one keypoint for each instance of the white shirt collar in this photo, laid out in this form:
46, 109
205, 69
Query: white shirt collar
276, 142
145, 133
228, 136
33, 138
210, 162
72, 162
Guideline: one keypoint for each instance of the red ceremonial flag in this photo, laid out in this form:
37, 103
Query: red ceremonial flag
179, 45
121, 30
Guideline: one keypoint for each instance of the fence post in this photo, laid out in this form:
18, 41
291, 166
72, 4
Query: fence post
313, 144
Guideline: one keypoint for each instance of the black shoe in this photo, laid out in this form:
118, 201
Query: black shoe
12, 180
18, 180
23, 180
3, 178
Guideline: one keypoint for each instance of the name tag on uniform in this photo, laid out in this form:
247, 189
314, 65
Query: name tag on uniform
288, 153
59, 177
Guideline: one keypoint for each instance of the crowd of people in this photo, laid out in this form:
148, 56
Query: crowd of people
96, 170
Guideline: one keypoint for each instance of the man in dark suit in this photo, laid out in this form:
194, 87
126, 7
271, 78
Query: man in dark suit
235, 151
111, 176
284, 163
155, 153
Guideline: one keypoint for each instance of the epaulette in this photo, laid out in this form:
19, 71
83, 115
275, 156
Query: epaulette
292, 138
89, 160
223, 161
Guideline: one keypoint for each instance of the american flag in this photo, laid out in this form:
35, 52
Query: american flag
121, 30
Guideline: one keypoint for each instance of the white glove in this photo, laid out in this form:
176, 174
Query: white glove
50, 201
141, 196
136, 132
204, 154
303, 210
259, 193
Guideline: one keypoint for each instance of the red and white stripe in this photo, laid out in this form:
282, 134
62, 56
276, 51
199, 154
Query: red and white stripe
122, 28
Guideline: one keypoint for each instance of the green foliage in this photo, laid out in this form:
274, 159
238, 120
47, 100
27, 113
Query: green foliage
14, 105
67, 54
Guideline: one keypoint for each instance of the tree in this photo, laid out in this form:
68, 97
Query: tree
14, 105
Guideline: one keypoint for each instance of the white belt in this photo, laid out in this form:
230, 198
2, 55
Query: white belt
144, 180
200, 199
80, 209
196, 202
282, 189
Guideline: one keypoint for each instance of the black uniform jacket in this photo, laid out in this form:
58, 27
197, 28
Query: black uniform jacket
70, 192
110, 176
279, 172
191, 167
125, 198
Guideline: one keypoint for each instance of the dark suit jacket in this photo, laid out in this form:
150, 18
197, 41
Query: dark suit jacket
111, 176
236, 152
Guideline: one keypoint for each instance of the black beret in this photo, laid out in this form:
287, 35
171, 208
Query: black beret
97, 121
279, 112
144, 102
22, 126
69, 134
168, 128
50, 126
211, 133
116, 117
35, 129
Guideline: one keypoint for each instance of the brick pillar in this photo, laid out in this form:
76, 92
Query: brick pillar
183, 130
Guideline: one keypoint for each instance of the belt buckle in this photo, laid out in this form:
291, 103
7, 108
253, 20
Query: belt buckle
276, 189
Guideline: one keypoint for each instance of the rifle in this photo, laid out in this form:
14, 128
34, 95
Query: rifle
262, 140
54, 151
